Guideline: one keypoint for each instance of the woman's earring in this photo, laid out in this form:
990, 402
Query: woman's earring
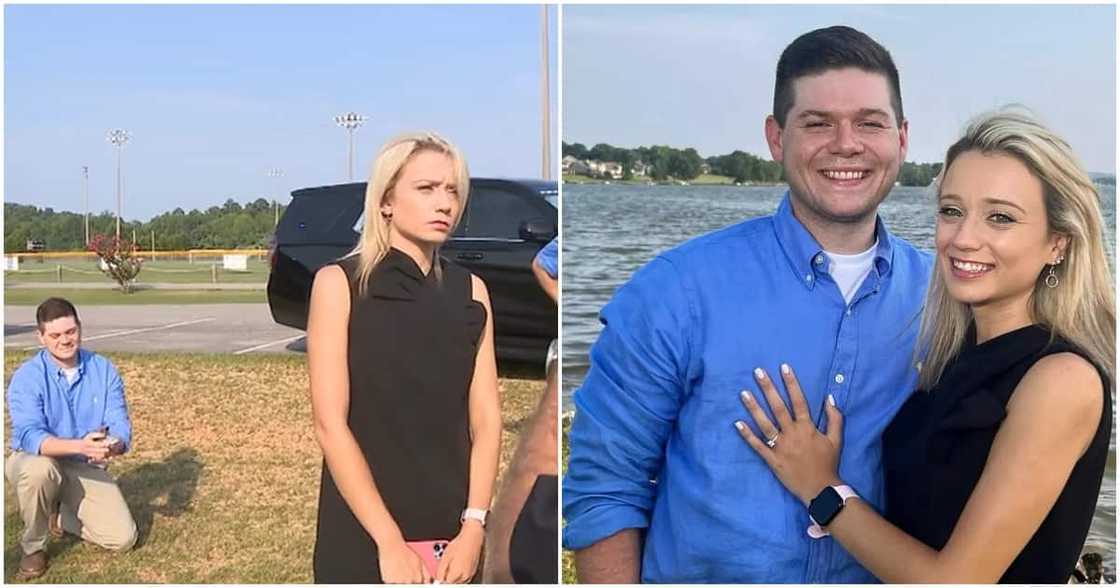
387, 215
1052, 278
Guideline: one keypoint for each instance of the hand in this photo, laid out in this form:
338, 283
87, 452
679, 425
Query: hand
94, 446
803, 459
117, 448
399, 564
460, 560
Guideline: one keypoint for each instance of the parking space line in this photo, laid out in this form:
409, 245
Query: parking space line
134, 331
262, 346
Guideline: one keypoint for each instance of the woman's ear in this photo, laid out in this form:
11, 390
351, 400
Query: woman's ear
1059, 243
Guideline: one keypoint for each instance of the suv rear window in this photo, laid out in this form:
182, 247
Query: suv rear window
320, 216
494, 214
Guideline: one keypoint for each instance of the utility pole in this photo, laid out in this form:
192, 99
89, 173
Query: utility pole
85, 198
546, 111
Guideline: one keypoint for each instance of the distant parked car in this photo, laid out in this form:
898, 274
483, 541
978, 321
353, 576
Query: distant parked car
505, 224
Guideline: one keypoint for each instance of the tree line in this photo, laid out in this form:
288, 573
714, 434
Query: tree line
230, 226
685, 164
666, 162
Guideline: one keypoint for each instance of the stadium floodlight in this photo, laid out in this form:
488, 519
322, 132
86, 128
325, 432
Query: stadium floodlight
118, 137
350, 121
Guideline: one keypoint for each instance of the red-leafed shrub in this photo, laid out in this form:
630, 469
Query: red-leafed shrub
119, 259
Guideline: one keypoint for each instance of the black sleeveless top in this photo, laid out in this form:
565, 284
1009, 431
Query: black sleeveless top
935, 450
412, 343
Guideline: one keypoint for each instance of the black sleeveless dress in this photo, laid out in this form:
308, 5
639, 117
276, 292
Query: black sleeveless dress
935, 450
412, 343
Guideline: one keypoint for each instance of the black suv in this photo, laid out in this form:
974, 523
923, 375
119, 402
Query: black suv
505, 224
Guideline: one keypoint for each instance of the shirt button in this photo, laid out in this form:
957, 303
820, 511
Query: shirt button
849, 312
808, 277
819, 260
839, 378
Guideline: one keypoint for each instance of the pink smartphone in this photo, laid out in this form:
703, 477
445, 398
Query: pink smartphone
430, 552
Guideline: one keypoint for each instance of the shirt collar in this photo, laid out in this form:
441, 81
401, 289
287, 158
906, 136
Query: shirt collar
805, 255
398, 277
53, 367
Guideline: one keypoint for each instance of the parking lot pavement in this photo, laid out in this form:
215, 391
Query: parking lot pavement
202, 328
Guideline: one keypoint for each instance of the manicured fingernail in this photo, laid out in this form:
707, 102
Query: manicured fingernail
740, 425
831, 400
785, 369
746, 396
758, 373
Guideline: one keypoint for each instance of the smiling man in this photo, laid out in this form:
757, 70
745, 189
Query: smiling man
69, 419
660, 487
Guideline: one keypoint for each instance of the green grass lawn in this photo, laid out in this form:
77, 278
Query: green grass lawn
568, 567
223, 480
706, 179
157, 271
32, 297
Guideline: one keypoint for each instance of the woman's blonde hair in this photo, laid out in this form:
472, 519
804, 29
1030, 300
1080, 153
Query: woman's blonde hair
1081, 308
373, 244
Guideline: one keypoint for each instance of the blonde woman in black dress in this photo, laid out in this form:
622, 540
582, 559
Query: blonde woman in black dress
404, 385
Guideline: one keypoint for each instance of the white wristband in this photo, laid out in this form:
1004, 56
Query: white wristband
474, 514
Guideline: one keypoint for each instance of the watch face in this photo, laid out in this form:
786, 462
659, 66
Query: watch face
825, 506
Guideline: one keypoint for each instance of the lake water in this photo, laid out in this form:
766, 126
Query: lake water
611, 231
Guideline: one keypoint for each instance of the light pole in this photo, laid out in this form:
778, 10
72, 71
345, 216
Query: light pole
546, 119
350, 121
118, 137
275, 173
85, 198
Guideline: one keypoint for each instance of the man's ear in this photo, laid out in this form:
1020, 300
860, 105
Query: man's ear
774, 138
903, 139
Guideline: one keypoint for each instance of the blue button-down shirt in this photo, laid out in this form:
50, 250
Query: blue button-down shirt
653, 444
43, 403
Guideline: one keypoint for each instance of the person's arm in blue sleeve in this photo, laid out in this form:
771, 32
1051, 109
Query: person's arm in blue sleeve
25, 406
625, 411
546, 269
116, 410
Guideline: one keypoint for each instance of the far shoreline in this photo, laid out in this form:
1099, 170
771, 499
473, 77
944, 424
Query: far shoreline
702, 180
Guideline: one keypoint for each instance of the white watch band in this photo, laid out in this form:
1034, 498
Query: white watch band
816, 531
474, 514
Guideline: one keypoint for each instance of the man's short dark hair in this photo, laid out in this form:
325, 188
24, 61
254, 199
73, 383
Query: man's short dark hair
828, 49
54, 308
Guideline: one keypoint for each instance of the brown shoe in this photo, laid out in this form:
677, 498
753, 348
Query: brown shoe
32, 565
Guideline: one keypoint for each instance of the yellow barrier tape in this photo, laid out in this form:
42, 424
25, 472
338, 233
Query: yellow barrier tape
27, 271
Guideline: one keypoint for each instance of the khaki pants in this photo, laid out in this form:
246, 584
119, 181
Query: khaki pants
88, 498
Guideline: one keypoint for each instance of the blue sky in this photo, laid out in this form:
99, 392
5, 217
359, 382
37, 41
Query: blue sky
704, 76
215, 95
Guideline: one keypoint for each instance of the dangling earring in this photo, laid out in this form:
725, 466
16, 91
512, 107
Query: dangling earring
1052, 278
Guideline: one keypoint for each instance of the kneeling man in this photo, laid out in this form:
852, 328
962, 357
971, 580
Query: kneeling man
69, 418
